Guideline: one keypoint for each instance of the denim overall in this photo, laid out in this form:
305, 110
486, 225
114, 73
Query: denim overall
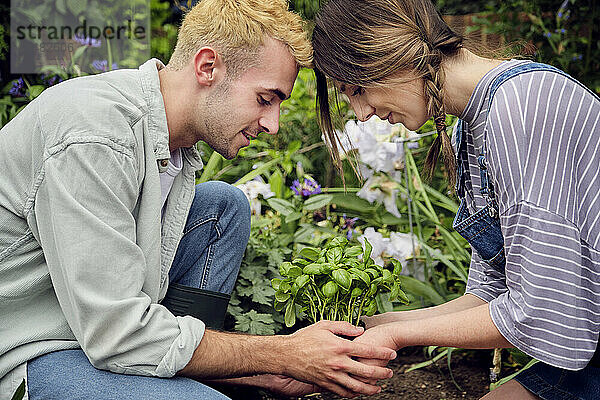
482, 231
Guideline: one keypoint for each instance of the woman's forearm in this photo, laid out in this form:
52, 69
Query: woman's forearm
470, 328
461, 303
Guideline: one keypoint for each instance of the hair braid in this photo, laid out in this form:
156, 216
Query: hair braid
433, 78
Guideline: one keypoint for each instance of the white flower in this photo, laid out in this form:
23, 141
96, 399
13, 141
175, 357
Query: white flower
401, 245
380, 189
254, 188
398, 245
377, 241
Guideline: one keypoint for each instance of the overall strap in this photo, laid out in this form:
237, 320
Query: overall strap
487, 188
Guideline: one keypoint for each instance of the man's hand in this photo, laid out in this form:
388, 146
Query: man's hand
279, 384
317, 354
285, 386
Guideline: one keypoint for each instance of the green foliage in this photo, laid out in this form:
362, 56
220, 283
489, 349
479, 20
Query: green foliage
250, 307
459, 7
565, 35
164, 34
338, 282
20, 392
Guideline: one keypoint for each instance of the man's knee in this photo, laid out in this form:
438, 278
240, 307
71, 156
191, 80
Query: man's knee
227, 196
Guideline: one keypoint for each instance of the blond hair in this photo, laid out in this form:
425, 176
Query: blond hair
237, 28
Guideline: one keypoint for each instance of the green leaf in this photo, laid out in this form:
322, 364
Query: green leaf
371, 309
276, 183
61, 7
368, 250
312, 269
285, 286
76, 6
362, 275
258, 292
275, 282
421, 289
338, 241
342, 277
35, 91
283, 207
334, 255
393, 293
373, 272
353, 251
301, 262
284, 268
387, 276
78, 53
282, 297
20, 393
309, 253
294, 272
255, 323
279, 306
317, 201
258, 171
330, 289
212, 167
402, 297
302, 280
290, 314
397, 267
356, 292
295, 216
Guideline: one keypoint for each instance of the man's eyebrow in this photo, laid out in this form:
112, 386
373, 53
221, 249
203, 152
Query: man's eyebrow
282, 96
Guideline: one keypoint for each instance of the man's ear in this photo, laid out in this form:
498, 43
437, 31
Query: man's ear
206, 63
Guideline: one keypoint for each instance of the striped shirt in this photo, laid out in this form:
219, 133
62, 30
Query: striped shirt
543, 157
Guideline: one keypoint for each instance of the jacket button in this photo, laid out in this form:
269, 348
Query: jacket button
164, 163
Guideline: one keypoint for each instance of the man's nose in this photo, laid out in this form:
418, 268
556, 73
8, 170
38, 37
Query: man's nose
269, 122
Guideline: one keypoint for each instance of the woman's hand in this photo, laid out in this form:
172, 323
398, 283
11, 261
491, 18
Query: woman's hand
321, 354
381, 335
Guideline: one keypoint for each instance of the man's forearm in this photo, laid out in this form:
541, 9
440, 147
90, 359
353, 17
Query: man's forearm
319, 354
226, 355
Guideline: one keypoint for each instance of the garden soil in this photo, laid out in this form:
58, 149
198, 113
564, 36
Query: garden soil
469, 368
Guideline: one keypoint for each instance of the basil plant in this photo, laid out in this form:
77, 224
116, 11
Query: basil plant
339, 282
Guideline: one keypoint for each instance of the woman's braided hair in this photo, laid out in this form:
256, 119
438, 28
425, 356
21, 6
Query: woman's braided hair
370, 43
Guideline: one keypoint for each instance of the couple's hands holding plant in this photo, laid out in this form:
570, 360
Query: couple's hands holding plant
321, 354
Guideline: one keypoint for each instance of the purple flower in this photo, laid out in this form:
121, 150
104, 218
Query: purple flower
86, 41
548, 34
50, 80
349, 225
306, 188
18, 88
102, 65
577, 57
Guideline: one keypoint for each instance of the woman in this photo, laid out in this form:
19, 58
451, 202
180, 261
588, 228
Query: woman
527, 175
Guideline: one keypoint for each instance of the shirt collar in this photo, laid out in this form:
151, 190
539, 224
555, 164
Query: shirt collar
157, 116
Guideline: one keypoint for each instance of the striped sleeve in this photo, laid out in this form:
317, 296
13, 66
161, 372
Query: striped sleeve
551, 308
484, 282
543, 135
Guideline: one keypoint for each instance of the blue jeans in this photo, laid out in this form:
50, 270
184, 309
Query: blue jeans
208, 257
551, 383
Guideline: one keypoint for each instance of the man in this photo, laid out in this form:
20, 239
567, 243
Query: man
99, 216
